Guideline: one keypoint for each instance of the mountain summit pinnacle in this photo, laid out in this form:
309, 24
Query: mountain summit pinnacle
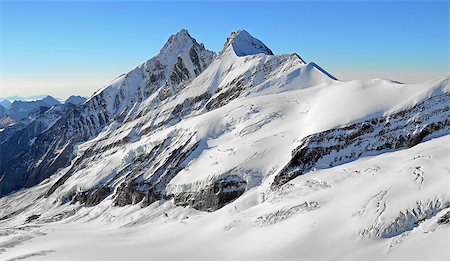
178, 41
244, 44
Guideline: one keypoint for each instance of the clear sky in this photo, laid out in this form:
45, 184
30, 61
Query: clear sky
62, 48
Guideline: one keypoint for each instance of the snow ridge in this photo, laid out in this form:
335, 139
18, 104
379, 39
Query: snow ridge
243, 44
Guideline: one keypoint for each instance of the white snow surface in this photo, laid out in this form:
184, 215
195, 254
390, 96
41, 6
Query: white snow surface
329, 214
244, 44
382, 207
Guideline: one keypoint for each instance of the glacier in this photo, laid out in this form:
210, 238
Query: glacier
243, 154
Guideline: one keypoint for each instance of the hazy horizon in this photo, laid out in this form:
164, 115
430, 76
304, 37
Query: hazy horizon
82, 46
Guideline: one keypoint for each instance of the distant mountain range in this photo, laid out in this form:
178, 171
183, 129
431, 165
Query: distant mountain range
23, 98
7, 101
20, 108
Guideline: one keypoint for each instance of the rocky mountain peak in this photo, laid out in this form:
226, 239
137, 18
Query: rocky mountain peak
243, 44
178, 41
180, 50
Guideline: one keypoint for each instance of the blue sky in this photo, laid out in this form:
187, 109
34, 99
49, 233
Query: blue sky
62, 48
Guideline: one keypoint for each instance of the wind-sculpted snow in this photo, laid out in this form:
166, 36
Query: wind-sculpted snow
405, 221
192, 154
282, 214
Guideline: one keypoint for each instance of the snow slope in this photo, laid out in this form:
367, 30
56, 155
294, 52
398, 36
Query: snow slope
243, 44
385, 207
198, 156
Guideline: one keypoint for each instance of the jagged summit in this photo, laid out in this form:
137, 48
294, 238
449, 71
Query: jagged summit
243, 44
182, 46
180, 60
180, 39
180, 42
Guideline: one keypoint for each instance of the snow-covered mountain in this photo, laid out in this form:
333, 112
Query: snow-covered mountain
75, 100
5, 103
21, 109
237, 155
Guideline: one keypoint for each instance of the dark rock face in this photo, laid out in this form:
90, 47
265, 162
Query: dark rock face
128, 194
80, 196
97, 196
131, 193
193, 54
231, 92
180, 72
31, 218
211, 198
445, 219
400, 130
215, 196
90, 198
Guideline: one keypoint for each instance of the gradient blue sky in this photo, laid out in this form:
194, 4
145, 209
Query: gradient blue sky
62, 48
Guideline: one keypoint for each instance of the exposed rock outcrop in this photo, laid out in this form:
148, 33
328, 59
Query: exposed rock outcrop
214, 196
445, 219
131, 193
400, 130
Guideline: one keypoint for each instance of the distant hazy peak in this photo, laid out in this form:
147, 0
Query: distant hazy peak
75, 100
242, 44
5, 103
50, 100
